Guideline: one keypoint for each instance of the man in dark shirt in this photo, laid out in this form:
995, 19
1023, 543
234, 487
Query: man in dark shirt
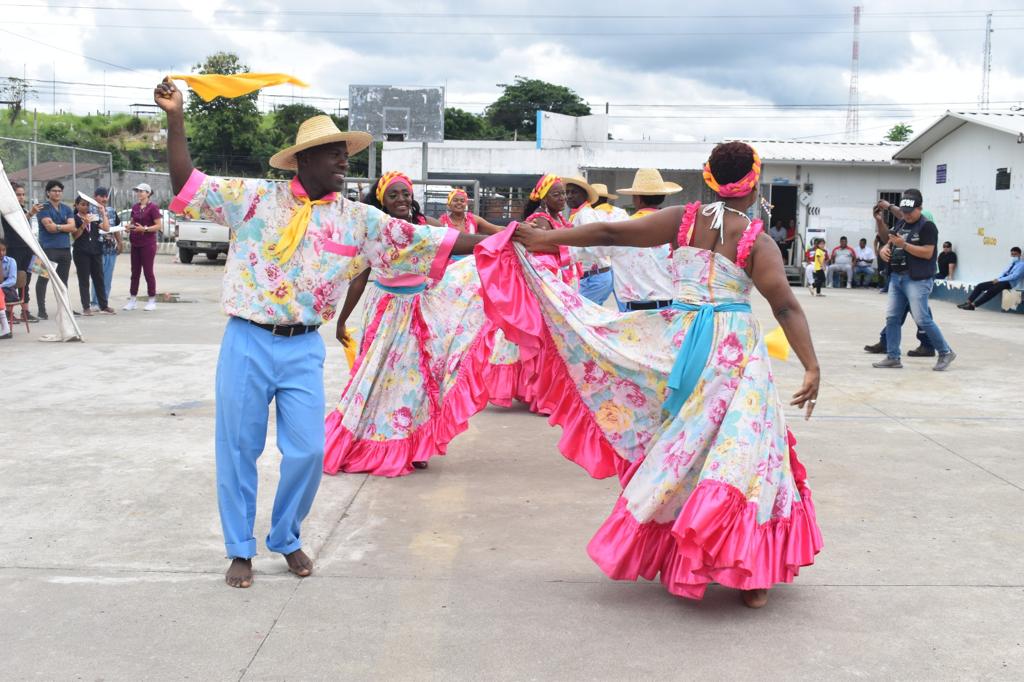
912, 262
56, 223
947, 262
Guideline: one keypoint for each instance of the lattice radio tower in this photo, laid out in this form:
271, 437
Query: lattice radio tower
853, 107
986, 64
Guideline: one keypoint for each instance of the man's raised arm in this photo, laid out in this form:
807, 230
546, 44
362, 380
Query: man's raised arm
179, 161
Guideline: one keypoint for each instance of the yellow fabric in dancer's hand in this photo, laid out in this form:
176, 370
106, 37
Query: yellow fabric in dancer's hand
350, 349
777, 344
211, 85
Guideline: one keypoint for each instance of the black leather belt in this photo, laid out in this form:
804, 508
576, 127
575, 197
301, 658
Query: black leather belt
286, 329
647, 305
599, 271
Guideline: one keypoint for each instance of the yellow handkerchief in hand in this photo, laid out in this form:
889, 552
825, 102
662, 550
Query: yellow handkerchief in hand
350, 349
211, 85
778, 344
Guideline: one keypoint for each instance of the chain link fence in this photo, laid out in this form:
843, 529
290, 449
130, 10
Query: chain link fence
33, 164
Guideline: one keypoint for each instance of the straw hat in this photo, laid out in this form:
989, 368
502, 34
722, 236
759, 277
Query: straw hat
602, 191
582, 184
647, 181
317, 131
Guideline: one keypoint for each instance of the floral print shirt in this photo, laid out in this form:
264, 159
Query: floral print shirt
343, 239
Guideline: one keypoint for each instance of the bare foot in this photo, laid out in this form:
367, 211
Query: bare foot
755, 599
239, 573
299, 564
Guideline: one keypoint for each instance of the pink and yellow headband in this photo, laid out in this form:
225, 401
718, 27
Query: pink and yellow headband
543, 186
741, 187
388, 179
455, 193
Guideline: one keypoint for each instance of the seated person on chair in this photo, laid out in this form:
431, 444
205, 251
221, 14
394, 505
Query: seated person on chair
841, 262
864, 266
1011, 277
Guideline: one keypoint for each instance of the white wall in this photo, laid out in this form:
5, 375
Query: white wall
972, 153
481, 157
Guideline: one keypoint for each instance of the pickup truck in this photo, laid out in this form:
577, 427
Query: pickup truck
201, 236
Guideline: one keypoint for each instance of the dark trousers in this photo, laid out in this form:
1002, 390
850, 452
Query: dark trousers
22, 255
89, 266
62, 259
819, 280
922, 338
986, 291
143, 258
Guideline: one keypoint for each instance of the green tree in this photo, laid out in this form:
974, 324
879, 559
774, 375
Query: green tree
14, 93
463, 125
900, 132
225, 133
516, 109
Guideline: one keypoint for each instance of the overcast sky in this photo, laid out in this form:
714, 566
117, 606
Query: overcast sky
669, 70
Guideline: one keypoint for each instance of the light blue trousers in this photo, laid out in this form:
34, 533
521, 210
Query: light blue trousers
597, 288
109, 261
254, 368
904, 291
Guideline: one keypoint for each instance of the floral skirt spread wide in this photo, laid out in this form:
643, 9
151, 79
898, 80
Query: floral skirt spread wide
714, 493
410, 392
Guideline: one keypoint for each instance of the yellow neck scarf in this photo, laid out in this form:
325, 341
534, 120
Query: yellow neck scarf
295, 230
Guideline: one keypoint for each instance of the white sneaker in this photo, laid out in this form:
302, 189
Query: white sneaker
94, 308
130, 305
150, 305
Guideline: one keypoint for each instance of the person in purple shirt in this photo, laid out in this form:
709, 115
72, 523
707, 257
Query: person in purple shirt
146, 222
984, 291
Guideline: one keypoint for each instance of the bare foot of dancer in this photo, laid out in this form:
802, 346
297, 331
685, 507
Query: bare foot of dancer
299, 564
239, 573
755, 599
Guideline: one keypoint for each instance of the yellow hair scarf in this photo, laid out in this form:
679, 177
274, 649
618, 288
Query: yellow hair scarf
388, 179
543, 186
295, 230
211, 85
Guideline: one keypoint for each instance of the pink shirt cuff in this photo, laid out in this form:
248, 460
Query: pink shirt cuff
444, 252
188, 192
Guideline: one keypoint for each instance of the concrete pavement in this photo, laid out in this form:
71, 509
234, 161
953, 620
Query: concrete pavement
111, 558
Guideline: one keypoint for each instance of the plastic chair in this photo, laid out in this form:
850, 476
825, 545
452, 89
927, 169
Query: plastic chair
19, 286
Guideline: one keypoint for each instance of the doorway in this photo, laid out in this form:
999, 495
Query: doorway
783, 201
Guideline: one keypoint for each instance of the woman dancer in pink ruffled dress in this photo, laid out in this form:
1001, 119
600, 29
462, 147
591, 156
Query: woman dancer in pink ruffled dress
412, 388
681, 402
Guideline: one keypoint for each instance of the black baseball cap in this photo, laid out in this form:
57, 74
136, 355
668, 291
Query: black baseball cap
101, 192
910, 200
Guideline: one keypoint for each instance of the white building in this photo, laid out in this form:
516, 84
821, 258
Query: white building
829, 188
971, 178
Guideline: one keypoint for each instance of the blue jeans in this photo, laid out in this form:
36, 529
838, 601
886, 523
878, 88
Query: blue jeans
254, 368
109, 259
597, 288
904, 291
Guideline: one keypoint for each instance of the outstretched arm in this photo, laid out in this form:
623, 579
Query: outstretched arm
655, 229
355, 292
769, 276
169, 98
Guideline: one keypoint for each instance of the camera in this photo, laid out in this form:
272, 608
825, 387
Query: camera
898, 259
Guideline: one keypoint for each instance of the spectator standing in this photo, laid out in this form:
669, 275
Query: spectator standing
820, 258
841, 262
88, 254
146, 222
912, 262
56, 223
16, 246
864, 265
1011, 277
947, 262
112, 246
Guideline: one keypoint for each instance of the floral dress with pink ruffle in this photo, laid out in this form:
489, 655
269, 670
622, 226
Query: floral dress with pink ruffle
713, 490
413, 386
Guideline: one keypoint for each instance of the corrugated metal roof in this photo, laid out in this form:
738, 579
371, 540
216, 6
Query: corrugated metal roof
1010, 123
806, 151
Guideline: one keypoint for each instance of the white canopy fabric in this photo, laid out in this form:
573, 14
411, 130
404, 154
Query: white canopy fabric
67, 328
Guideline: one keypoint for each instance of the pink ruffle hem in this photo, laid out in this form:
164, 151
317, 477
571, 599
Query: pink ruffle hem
715, 538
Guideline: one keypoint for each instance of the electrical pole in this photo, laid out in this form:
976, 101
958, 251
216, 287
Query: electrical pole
986, 64
853, 106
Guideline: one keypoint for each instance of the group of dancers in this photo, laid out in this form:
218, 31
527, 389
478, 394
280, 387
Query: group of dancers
673, 393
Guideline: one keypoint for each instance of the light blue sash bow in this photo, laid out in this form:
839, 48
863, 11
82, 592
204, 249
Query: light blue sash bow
402, 290
695, 350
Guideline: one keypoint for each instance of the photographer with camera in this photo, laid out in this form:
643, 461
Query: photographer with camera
911, 246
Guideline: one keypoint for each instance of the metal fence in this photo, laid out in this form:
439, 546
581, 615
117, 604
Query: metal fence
33, 164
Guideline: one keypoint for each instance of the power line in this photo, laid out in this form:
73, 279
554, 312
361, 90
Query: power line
488, 34
62, 49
